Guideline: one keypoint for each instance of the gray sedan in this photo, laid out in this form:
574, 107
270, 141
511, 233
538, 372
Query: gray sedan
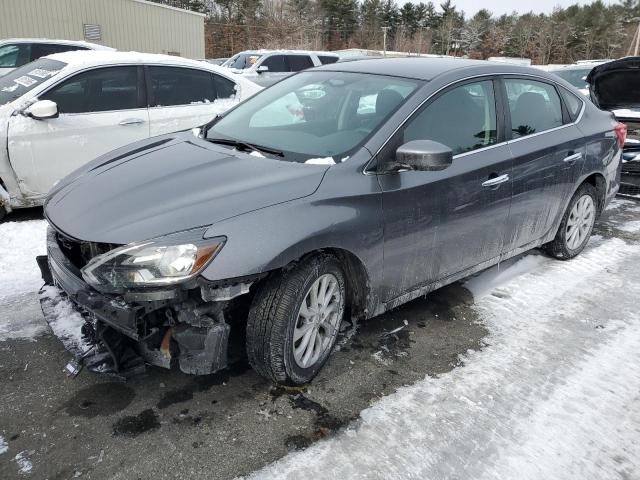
340, 192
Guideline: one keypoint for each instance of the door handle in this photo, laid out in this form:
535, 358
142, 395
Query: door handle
131, 121
571, 159
492, 182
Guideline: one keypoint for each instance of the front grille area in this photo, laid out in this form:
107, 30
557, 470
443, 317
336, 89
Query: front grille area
80, 253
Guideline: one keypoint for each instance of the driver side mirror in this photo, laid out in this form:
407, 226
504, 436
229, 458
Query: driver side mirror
424, 156
42, 110
262, 69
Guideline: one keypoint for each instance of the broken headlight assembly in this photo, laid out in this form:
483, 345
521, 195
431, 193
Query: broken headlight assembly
153, 263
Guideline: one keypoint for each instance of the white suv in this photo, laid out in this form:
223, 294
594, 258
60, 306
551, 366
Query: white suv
62, 111
269, 66
16, 52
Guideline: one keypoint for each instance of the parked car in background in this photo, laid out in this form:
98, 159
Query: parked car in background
16, 52
266, 67
60, 111
575, 74
397, 176
615, 86
217, 61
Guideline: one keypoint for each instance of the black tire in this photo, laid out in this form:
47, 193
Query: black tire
273, 316
3, 213
558, 248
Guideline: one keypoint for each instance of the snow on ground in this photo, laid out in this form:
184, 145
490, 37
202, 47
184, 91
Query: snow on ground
4, 446
555, 393
21, 243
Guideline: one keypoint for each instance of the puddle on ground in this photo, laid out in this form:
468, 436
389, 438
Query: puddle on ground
134, 425
99, 399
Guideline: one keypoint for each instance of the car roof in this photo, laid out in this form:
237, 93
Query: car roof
288, 52
80, 43
427, 68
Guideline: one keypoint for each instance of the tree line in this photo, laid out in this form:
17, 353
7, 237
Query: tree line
566, 35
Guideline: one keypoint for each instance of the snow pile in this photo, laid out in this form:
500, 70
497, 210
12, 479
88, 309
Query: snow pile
4, 446
321, 161
64, 320
553, 394
21, 243
631, 227
255, 153
18, 329
24, 464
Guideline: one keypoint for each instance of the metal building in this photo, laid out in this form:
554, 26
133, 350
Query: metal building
135, 25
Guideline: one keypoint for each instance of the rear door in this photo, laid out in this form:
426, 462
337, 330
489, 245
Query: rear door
548, 151
437, 224
100, 110
181, 98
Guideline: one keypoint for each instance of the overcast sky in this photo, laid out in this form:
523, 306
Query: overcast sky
499, 7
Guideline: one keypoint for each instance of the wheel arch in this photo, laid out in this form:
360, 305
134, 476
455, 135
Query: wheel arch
598, 181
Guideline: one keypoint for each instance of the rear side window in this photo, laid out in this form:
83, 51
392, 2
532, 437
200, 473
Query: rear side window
225, 88
534, 106
180, 86
100, 90
463, 119
43, 49
299, 62
14, 55
325, 59
276, 63
573, 103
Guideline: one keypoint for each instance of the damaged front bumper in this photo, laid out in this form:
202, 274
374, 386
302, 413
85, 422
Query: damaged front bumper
157, 327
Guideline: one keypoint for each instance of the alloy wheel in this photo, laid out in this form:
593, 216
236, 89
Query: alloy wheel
580, 221
318, 320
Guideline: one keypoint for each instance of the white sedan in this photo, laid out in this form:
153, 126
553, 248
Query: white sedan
64, 110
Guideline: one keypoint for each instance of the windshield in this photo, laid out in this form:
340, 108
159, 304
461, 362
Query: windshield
315, 114
24, 79
242, 61
575, 76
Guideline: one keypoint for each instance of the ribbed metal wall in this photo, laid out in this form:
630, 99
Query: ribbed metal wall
125, 24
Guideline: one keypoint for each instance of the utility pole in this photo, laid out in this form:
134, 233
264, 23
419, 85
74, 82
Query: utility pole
384, 40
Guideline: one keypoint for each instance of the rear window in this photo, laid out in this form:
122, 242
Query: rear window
26, 78
326, 59
575, 76
43, 49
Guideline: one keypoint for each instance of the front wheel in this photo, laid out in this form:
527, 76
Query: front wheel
576, 226
294, 320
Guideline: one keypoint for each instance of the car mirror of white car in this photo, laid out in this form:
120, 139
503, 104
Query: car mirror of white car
262, 69
42, 110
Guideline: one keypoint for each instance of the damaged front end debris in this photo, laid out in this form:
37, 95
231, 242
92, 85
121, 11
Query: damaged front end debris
187, 326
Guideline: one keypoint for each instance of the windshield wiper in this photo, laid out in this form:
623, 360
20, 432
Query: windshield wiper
246, 146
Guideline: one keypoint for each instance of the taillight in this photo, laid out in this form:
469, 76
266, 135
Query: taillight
621, 132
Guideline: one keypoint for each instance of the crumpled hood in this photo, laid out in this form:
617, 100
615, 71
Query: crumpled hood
169, 184
616, 85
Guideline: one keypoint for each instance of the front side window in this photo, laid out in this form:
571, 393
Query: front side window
315, 114
242, 61
172, 86
463, 119
275, 63
100, 90
26, 78
534, 106
14, 55
299, 62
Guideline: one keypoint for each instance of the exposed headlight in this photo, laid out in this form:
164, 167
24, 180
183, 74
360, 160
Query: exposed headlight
163, 261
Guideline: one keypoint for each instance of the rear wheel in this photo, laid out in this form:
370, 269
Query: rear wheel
294, 320
577, 224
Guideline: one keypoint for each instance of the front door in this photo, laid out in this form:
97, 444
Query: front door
100, 110
437, 224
